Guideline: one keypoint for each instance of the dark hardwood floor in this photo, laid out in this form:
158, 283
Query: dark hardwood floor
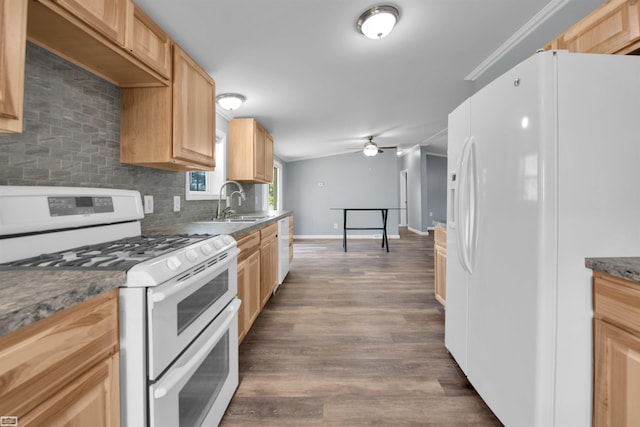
352, 339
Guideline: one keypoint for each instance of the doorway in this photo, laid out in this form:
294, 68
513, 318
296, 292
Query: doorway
403, 198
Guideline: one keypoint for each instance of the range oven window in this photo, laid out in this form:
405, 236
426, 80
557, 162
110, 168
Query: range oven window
202, 389
195, 304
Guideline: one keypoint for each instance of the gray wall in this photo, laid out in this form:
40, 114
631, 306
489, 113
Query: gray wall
436, 173
71, 137
314, 186
426, 188
411, 162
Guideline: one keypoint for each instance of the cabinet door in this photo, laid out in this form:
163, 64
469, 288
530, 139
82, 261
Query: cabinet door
149, 43
617, 376
243, 295
13, 33
91, 400
268, 157
106, 16
194, 126
259, 153
268, 270
266, 257
612, 28
290, 239
253, 281
440, 273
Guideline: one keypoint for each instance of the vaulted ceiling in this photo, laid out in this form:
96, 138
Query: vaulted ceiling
321, 88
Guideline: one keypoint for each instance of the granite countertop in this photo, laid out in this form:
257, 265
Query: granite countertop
29, 295
623, 267
234, 229
442, 224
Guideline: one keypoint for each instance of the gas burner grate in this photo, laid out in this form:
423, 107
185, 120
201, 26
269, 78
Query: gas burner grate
119, 254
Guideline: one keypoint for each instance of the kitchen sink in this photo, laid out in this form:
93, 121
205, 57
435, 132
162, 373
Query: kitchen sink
241, 219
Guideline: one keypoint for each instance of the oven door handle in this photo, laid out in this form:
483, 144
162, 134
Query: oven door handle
162, 295
177, 374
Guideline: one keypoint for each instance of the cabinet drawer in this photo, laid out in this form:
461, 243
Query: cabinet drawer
248, 244
617, 301
269, 232
39, 360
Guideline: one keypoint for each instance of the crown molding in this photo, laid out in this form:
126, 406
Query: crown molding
527, 29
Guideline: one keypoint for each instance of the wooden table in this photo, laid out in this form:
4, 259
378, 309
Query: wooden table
383, 211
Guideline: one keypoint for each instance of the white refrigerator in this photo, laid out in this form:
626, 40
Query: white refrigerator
543, 171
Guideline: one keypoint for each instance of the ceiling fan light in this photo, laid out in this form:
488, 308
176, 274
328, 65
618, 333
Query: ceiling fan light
230, 101
377, 22
370, 149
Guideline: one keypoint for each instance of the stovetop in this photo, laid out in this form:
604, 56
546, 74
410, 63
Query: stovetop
119, 254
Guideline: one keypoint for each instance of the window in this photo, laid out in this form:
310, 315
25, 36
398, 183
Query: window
204, 185
274, 192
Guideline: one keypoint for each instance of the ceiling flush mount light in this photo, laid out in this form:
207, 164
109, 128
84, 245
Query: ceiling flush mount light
378, 21
230, 101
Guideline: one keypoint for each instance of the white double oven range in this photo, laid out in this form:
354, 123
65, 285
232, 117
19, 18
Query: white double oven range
178, 306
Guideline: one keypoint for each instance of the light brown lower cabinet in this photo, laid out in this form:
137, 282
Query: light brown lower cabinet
616, 352
290, 239
440, 264
64, 370
257, 272
248, 282
268, 261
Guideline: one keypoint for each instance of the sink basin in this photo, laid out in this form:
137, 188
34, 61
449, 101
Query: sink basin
241, 219
249, 217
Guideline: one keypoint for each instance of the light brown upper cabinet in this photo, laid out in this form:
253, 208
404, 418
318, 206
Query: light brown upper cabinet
107, 16
614, 27
171, 128
250, 152
148, 42
105, 37
13, 24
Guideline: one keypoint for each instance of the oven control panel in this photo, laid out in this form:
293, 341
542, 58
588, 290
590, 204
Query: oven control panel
80, 205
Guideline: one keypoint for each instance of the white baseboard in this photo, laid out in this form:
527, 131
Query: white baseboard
421, 233
350, 237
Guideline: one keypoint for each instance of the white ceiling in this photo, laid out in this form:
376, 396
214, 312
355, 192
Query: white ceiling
320, 87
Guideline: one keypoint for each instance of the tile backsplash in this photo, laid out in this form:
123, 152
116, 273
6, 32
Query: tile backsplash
71, 137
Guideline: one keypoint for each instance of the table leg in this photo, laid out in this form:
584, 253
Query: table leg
344, 230
385, 240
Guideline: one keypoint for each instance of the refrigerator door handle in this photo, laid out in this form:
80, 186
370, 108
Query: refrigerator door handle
462, 211
472, 176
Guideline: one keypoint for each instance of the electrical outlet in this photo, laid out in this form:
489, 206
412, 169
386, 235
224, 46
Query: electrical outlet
148, 204
335, 226
430, 213
176, 203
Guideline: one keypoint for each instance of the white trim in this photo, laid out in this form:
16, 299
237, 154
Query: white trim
404, 197
278, 165
434, 136
512, 42
421, 233
339, 236
211, 193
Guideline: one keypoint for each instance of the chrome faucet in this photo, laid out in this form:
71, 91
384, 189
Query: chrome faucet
240, 191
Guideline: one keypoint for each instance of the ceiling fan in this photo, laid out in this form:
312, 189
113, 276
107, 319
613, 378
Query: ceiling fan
370, 148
